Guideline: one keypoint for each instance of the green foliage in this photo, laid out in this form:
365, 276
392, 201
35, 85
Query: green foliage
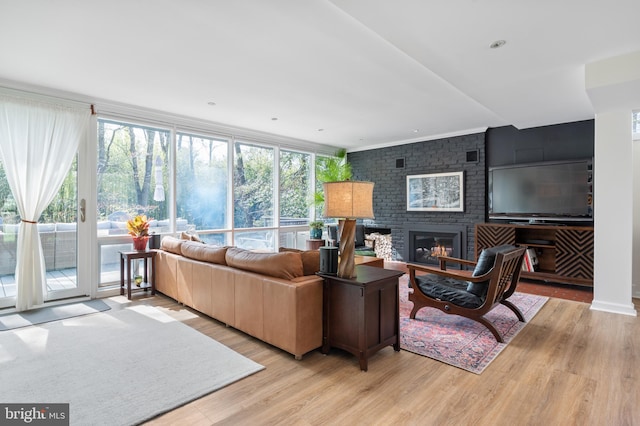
333, 169
316, 224
8, 207
125, 179
330, 169
294, 184
253, 177
63, 208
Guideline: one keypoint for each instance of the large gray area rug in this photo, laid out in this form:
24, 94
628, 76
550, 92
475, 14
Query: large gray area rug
51, 313
120, 367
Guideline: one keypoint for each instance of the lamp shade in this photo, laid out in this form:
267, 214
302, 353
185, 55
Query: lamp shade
348, 199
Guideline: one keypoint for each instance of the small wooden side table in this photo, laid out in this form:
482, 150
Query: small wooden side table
361, 315
314, 244
127, 257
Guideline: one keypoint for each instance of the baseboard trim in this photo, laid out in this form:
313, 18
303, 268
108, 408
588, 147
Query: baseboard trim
615, 308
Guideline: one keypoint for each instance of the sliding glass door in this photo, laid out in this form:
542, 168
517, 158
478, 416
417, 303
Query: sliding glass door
59, 232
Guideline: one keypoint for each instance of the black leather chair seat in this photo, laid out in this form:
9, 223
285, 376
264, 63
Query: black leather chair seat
448, 290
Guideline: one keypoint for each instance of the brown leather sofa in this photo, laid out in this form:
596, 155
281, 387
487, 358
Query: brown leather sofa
275, 297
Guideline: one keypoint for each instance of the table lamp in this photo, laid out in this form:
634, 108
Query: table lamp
348, 201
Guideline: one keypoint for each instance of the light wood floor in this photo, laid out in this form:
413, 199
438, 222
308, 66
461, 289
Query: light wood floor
569, 366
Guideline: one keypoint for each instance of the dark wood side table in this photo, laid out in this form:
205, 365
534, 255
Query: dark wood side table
127, 257
361, 315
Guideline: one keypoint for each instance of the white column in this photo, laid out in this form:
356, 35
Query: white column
612, 85
613, 213
635, 290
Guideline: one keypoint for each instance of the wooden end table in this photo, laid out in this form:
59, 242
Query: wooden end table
127, 257
314, 244
361, 315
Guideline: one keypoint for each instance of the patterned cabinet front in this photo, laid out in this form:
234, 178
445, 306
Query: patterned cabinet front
492, 235
574, 253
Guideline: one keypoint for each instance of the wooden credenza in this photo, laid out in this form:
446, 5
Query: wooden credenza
565, 253
361, 315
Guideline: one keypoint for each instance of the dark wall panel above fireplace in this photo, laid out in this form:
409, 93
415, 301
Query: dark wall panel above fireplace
436, 156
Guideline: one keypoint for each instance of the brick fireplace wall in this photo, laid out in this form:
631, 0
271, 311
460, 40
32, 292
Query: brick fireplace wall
461, 153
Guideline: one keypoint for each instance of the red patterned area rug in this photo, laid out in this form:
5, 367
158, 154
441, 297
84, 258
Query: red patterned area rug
459, 341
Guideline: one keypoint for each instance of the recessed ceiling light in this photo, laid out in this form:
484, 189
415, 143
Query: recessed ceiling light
274, 118
415, 130
498, 43
321, 130
211, 103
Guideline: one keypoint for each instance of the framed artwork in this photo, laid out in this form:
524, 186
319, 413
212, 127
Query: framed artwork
438, 192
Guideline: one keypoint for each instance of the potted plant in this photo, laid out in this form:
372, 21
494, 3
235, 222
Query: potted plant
138, 280
315, 231
138, 228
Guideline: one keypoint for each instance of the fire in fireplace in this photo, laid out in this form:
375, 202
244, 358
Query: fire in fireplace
426, 244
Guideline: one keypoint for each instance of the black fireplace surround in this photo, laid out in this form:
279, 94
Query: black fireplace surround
424, 243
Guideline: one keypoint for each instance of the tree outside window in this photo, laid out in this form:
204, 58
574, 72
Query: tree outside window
253, 186
294, 188
126, 178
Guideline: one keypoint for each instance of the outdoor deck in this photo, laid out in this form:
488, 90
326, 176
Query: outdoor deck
61, 279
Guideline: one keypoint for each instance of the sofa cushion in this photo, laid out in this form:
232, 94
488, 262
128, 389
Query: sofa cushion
286, 265
310, 259
204, 252
171, 244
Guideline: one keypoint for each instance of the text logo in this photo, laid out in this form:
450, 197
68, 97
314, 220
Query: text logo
34, 414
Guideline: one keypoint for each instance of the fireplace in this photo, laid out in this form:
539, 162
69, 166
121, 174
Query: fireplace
423, 244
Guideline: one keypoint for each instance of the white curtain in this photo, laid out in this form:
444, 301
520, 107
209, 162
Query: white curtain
38, 141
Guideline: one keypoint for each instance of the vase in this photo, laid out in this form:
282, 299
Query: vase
315, 234
140, 243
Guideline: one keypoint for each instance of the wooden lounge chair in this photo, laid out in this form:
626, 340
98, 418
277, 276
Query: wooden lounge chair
469, 294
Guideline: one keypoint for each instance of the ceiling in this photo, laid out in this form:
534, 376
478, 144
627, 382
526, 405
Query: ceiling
350, 73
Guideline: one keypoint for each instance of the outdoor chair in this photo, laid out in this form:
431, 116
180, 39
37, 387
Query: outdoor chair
469, 294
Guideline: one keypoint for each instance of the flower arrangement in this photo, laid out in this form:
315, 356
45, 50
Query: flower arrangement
138, 226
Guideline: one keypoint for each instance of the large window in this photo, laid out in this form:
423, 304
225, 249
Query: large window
202, 182
253, 186
636, 125
131, 163
226, 190
131, 180
295, 180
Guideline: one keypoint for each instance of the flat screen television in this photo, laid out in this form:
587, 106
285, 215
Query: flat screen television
550, 191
